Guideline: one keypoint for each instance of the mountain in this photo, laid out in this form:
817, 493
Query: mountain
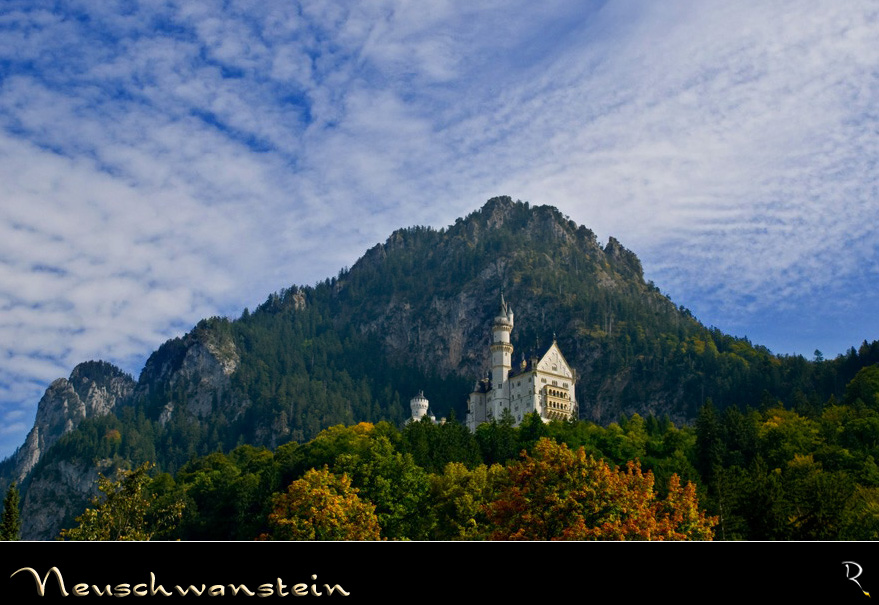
93, 389
412, 314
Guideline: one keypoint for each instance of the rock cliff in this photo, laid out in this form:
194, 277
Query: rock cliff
94, 388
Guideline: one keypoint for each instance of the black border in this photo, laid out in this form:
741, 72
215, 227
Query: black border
392, 572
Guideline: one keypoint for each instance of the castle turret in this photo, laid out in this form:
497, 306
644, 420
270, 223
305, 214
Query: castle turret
419, 406
501, 348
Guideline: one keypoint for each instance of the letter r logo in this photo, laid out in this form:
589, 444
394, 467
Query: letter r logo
851, 566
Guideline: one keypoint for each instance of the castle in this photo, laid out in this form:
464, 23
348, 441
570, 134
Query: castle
543, 384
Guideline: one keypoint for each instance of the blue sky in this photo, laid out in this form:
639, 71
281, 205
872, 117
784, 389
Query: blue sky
161, 162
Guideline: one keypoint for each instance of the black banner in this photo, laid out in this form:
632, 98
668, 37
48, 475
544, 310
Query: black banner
393, 572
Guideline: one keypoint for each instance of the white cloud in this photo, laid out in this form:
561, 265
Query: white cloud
185, 159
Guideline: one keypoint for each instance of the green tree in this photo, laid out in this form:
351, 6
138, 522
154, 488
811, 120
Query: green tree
783, 434
754, 503
331, 443
395, 484
10, 527
127, 511
815, 500
531, 430
710, 449
434, 445
228, 495
863, 390
459, 497
862, 516
498, 440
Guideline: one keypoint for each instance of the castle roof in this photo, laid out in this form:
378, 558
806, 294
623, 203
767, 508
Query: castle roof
505, 313
533, 359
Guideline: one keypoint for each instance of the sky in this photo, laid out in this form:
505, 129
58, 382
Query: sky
166, 161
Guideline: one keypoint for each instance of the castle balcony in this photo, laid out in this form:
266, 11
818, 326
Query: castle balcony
557, 403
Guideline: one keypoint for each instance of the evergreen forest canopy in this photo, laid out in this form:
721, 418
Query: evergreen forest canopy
414, 314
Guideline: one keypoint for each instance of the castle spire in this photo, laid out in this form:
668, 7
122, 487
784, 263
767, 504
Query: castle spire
505, 314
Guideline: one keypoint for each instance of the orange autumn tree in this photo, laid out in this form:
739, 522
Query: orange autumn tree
322, 506
560, 494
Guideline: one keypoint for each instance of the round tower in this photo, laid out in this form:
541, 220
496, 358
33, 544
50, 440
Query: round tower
419, 405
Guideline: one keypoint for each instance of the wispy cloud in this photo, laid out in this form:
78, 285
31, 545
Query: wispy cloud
163, 162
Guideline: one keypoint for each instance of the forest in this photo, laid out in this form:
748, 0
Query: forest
689, 421
773, 473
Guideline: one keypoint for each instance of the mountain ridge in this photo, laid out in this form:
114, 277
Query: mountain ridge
413, 313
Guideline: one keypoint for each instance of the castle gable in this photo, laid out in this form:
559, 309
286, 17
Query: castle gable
553, 362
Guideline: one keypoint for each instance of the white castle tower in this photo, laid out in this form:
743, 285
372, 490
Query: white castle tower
501, 357
419, 406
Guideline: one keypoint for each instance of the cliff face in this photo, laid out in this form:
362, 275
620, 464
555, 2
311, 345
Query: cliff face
191, 375
58, 493
93, 389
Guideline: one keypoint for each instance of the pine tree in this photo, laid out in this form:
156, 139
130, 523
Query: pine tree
10, 527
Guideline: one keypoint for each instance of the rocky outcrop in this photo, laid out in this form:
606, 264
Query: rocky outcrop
192, 375
57, 494
94, 388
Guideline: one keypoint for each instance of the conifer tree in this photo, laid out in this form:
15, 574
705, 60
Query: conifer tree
10, 526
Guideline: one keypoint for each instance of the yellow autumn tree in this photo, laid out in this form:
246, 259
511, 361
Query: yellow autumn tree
322, 506
126, 510
560, 494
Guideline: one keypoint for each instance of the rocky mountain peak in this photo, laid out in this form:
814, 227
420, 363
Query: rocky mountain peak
496, 210
620, 256
94, 388
191, 373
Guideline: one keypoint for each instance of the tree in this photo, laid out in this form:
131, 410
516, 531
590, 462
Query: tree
228, 495
754, 505
458, 497
331, 443
397, 486
498, 439
710, 449
10, 527
816, 500
531, 429
560, 494
863, 390
433, 446
127, 511
322, 506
